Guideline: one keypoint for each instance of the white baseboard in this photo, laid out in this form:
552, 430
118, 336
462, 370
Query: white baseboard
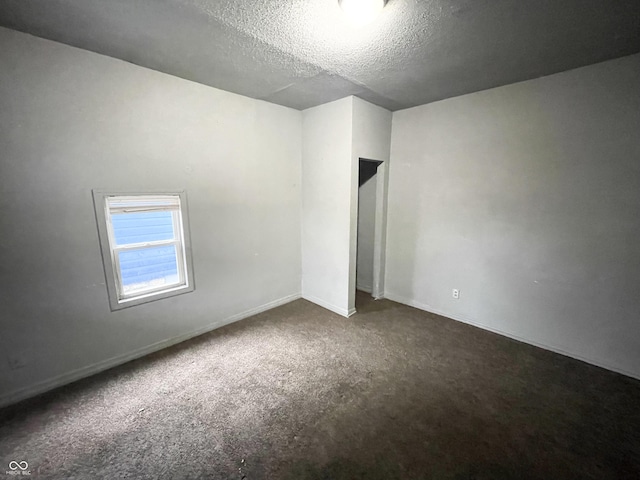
74, 375
364, 288
552, 348
340, 311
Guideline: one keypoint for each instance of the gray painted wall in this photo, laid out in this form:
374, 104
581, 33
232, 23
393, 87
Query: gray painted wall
326, 198
527, 199
523, 197
371, 139
366, 232
335, 136
70, 121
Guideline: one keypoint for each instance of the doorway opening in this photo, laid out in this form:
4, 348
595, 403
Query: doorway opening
369, 248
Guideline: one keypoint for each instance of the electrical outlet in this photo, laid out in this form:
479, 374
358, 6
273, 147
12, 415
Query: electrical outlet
455, 293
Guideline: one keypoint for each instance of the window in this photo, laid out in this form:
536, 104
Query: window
145, 246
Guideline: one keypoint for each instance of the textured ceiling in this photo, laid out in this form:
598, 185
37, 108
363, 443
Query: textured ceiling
302, 53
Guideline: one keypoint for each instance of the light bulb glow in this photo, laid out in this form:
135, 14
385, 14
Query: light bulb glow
362, 12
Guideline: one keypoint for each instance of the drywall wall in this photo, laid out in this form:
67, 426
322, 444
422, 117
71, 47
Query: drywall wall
527, 199
71, 121
326, 204
366, 232
371, 140
334, 137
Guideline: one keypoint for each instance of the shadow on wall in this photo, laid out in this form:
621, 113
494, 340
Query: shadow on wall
403, 227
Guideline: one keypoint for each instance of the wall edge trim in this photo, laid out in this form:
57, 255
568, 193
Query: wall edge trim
340, 311
87, 371
468, 321
364, 288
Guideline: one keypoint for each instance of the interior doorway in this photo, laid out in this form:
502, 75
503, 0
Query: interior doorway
369, 246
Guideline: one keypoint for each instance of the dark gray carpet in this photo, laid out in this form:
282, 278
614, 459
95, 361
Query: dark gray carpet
301, 393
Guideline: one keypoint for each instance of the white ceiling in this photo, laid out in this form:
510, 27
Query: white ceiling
302, 53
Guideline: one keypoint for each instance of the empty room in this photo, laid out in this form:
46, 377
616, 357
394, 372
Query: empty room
320, 239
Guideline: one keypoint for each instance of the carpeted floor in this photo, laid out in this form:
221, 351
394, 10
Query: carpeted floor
301, 393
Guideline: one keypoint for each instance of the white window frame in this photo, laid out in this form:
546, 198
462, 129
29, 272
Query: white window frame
107, 203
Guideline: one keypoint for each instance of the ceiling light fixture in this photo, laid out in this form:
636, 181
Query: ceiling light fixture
361, 12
